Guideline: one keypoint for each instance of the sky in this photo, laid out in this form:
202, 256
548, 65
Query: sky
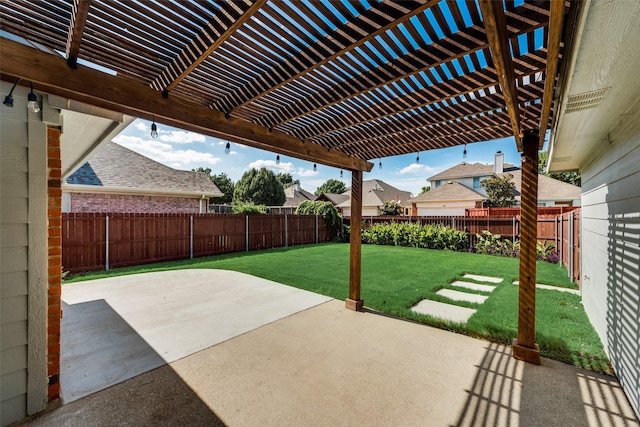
185, 150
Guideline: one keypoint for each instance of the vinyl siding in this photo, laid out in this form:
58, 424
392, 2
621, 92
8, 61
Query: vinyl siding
22, 145
611, 259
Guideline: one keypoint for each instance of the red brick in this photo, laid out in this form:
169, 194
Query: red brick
55, 291
55, 241
55, 192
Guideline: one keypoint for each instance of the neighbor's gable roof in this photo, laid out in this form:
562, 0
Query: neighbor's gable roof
452, 190
115, 168
334, 198
468, 170
376, 193
548, 188
295, 196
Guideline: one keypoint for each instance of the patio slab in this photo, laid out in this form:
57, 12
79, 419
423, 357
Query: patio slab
116, 328
462, 296
443, 310
329, 366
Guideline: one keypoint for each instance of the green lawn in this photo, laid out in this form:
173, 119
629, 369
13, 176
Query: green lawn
395, 278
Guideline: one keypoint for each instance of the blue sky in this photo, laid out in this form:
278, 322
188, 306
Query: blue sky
186, 150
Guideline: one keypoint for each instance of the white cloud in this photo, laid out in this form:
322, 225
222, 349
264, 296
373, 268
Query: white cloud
416, 168
285, 167
141, 126
166, 154
181, 137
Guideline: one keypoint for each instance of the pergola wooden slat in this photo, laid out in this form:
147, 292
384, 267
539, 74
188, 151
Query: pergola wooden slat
332, 83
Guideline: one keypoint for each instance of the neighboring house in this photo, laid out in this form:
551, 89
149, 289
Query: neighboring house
459, 188
116, 179
374, 194
295, 195
334, 198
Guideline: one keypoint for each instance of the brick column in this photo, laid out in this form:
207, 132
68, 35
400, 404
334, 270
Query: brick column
54, 214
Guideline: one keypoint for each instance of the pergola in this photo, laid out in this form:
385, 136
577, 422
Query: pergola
337, 83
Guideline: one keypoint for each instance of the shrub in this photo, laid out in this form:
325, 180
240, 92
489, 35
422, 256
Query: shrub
544, 250
494, 244
391, 207
249, 208
416, 235
323, 209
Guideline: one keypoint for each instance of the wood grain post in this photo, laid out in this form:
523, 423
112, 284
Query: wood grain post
524, 346
355, 259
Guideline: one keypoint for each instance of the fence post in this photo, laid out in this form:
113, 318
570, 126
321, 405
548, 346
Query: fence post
513, 229
246, 233
570, 246
286, 232
555, 235
106, 245
316, 229
191, 237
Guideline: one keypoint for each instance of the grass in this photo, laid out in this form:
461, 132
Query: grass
396, 278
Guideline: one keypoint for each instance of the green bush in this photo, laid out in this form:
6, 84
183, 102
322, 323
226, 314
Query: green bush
416, 235
323, 209
494, 244
249, 208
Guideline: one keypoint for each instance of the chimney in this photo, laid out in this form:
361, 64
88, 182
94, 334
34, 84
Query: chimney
498, 164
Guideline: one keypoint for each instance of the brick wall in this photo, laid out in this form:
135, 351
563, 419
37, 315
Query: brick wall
125, 203
54, 214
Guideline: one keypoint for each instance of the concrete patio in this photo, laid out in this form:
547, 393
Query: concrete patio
210, 347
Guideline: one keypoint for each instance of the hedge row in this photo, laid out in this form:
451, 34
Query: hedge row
417, 236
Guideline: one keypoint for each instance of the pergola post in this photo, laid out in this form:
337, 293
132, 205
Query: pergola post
355, 259
524, 346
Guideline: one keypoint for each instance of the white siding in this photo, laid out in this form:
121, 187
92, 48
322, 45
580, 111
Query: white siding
444, 208
611, 254
440, 211
366, 211
22, 218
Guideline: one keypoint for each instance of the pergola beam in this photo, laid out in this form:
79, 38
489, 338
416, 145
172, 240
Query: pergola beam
553, 52
78, 19
50, 74
496, 29
179, 67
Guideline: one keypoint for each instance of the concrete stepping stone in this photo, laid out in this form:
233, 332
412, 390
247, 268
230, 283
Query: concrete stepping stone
443, 310
473, 286
553, 288
462, 296
483, 278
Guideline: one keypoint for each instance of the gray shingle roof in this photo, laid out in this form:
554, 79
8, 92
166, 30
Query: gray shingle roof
115, 167
334, 198
463, 170
450, 191
295, 195
548, 188
376, 192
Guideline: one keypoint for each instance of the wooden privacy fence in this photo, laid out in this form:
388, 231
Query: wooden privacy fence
562, 230
95, 241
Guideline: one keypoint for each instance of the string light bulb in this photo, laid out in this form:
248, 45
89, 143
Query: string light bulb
315, 167
278, 159
154, 128
227, 148
464, 153
418, 158
32, 105
380, 164
341, 173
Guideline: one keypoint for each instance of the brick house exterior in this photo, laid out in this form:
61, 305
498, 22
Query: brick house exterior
118, 180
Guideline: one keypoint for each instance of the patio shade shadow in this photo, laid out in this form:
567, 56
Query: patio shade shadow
508, 392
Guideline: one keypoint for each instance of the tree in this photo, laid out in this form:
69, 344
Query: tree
286, 179
570, 177
260, 187
222, 181
391, 207
425, 189
331, 186
500, 191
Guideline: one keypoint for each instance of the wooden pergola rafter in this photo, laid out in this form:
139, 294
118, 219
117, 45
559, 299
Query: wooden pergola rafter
334, 83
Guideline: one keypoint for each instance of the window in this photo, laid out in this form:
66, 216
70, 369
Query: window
476, 182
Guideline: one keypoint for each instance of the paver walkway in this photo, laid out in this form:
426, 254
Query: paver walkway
453, 312
552, 288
